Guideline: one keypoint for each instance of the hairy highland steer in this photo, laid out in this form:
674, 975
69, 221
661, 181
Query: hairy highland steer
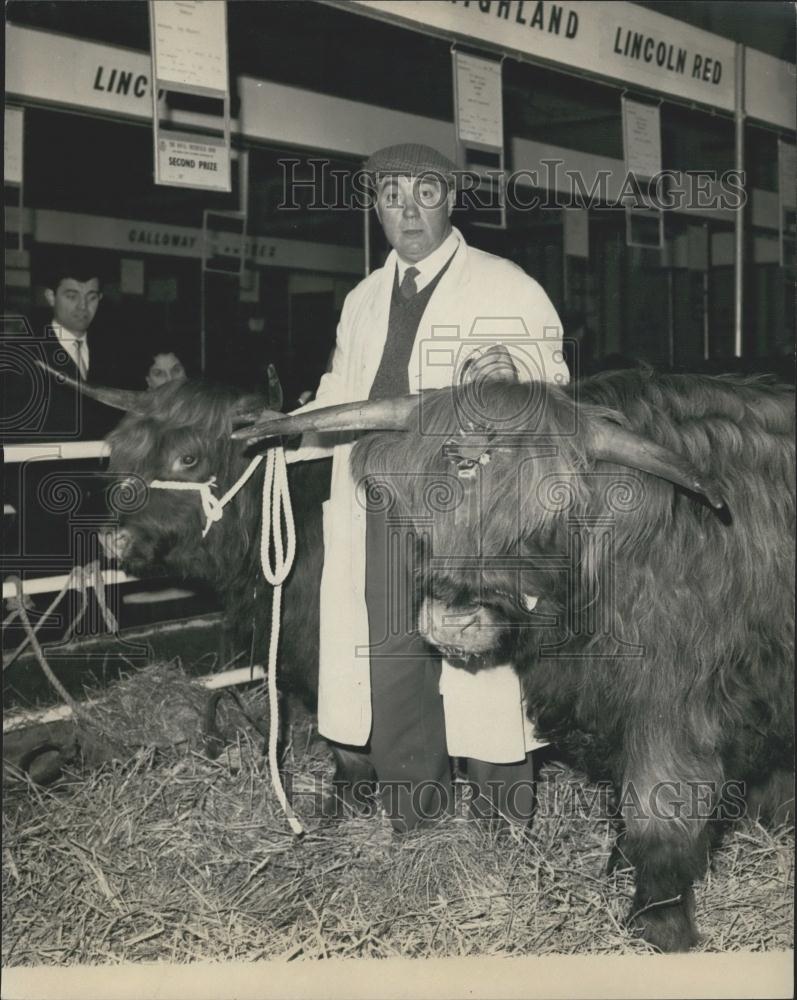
627, 543
180, 433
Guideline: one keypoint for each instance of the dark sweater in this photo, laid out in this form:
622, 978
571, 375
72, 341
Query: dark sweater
391, 378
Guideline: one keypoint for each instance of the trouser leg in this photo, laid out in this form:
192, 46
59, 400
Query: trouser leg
408, 748
506, 789
407, 745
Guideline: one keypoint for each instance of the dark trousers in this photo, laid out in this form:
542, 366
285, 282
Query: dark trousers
407, 748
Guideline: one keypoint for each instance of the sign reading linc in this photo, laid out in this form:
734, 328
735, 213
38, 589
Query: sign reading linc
616, 40
113, 80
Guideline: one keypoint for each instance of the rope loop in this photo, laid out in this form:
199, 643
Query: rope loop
276, 510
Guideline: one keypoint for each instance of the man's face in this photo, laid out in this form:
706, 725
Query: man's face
165, 368
74, 303
415, 214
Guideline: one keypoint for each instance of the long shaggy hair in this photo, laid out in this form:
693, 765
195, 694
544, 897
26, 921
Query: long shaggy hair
660, 651
184, 435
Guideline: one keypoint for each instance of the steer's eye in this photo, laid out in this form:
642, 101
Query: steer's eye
188, 461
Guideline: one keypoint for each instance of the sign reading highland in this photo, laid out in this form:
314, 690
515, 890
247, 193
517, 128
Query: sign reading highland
616, 40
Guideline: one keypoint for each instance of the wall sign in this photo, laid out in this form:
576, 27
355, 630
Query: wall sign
114, 79
194, 161
479, 104
641, 138
642, 158
189, 45
12, 141
13, 162
479, 128
132, 235
644, 227
617, 40
223, 242
188, 41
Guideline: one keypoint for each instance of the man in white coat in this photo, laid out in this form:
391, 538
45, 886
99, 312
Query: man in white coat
433, 315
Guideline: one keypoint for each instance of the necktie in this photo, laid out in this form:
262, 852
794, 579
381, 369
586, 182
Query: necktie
82, 364
408, 288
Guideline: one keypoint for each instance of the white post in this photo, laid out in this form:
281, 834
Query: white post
367, 239
738, 269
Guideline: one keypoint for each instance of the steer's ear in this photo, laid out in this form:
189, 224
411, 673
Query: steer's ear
274, 394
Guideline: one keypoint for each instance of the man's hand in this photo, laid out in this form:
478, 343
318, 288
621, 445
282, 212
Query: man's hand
493, 365
250, 416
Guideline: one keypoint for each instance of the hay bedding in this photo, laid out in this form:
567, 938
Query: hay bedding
162, 854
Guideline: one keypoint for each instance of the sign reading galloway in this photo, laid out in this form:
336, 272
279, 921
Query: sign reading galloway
102, 232
616, 40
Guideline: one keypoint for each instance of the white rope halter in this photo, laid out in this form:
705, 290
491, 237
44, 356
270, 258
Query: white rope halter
212, 507
276, 509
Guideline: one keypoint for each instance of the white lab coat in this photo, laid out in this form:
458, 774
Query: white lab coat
481, 299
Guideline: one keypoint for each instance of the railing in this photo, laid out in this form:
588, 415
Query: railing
41, 451
78, 450
55, 450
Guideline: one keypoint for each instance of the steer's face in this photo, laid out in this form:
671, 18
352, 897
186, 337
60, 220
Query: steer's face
481, 476
484, 617
182, 438
158, 530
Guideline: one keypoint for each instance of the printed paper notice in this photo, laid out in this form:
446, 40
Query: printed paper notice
190, 44
480, 111
193, 161
13, 145
641, 138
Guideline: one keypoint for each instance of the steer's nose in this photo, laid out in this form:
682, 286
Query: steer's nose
448, 627
115, 542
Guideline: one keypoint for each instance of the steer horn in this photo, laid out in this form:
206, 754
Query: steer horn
612, 443
372, 415
120, 399
608, 441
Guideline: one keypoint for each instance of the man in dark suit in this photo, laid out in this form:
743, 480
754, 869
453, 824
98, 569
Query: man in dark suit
40, 407
37, 405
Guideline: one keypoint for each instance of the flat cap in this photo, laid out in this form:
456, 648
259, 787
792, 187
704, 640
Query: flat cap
410, 159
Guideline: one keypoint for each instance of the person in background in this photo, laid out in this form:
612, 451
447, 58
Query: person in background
41, 407
165, 367
74, 296
51, 410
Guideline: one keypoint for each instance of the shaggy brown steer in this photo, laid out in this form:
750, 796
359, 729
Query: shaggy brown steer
628, 543
180, 433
